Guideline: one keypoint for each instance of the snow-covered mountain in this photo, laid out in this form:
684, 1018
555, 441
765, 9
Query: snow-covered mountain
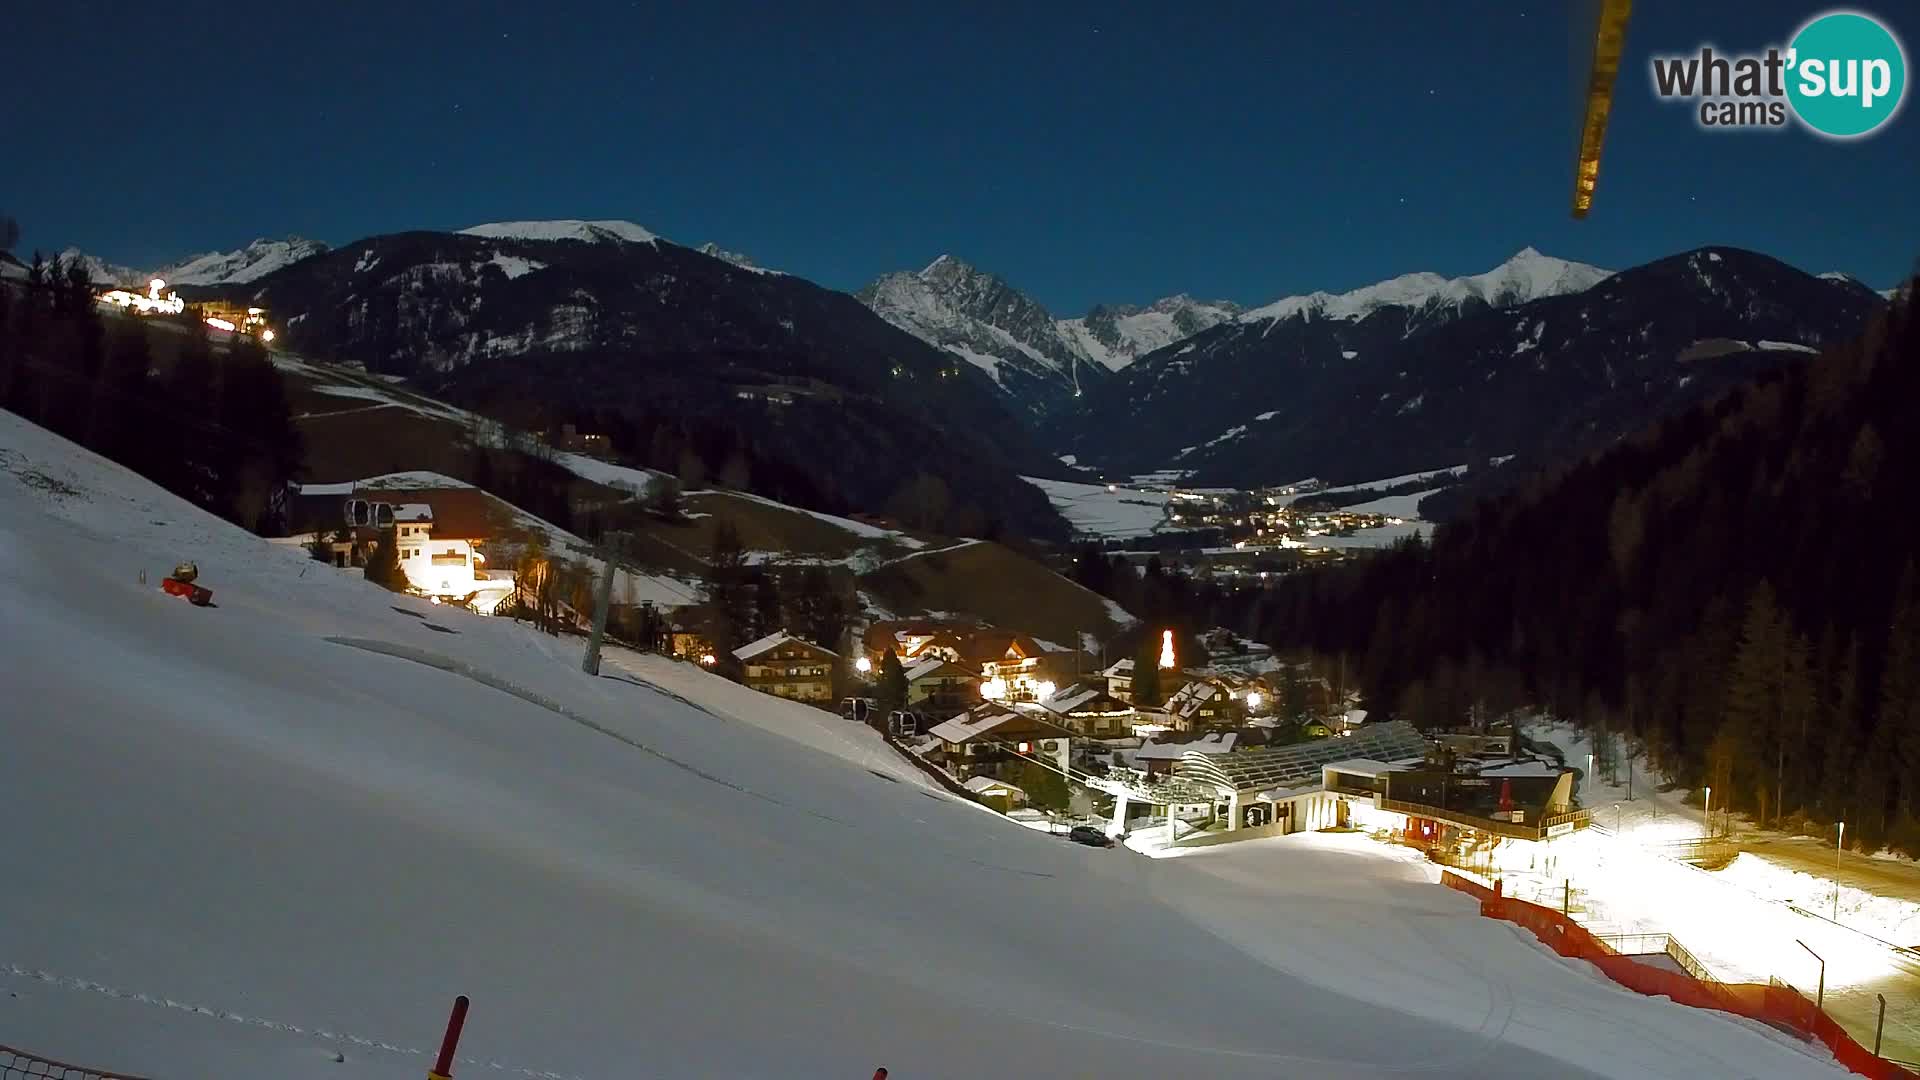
981, 319
593, 232
1526, 277
1538, 357
101, 271
1114, 335
256, 260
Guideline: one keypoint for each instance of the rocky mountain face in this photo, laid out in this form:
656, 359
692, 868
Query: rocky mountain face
789, 389
1040, 361
990, 325
1537, 357
1115, 335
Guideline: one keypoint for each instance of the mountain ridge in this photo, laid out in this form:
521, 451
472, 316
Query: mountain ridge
1268, 398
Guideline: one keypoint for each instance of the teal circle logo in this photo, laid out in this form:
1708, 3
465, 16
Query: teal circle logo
1847, 74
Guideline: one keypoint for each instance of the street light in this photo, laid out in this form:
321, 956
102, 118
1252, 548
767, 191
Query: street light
1838, 841
1707, 811
1589, 784
1253, 700
863, 665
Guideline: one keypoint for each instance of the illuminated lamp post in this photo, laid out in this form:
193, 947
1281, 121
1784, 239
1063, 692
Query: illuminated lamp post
1166, 649
1838, 842
1707, 811
863, 665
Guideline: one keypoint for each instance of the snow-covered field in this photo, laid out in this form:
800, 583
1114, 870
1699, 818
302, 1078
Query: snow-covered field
1118, 514
1400, 506
1384, 536
239, 848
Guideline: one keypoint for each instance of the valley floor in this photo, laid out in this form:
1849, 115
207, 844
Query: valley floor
236, 847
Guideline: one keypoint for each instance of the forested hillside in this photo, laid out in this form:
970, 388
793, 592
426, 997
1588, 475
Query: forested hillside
1736, 586
151, 396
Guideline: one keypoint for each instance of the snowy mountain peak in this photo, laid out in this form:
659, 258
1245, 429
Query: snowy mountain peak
1528, 275
985, 321
946, 266
593, 232
1114, 335
102, 272
256, 260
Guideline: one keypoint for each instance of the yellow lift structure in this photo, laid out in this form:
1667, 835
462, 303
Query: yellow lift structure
1609, 41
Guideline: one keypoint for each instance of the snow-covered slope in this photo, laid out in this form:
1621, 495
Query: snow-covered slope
256, 260
1529, 275
596, 232
246, 848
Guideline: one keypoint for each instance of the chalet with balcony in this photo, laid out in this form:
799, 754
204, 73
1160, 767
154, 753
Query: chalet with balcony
941, 687
1087, 710
786, 666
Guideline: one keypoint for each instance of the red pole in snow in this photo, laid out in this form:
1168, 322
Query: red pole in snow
443, 1065
880, 1073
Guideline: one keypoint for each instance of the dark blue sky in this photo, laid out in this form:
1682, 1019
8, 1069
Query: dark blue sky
1086, 153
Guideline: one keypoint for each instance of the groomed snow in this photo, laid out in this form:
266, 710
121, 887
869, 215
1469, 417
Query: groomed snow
247, 849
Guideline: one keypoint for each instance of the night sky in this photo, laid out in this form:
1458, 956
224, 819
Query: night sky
1086, 153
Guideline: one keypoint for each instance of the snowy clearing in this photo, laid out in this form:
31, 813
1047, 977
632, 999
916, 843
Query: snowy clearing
1118, 514
1400, 506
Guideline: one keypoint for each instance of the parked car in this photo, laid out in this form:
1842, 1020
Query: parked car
1090, 836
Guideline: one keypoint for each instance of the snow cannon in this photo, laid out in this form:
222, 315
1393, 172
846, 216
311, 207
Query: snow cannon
181, 583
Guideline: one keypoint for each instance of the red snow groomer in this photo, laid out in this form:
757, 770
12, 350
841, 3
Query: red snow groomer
181, 583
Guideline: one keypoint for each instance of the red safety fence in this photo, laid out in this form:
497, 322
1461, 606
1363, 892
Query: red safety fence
1779, 1006
20, 1065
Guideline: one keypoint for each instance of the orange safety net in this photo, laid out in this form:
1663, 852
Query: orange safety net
1775, 1005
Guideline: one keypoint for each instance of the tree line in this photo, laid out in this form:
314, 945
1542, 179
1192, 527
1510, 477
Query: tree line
212, 426
745, 601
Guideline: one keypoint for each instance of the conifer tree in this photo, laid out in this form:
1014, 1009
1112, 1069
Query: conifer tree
1146, 674
890, 689
383, 566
